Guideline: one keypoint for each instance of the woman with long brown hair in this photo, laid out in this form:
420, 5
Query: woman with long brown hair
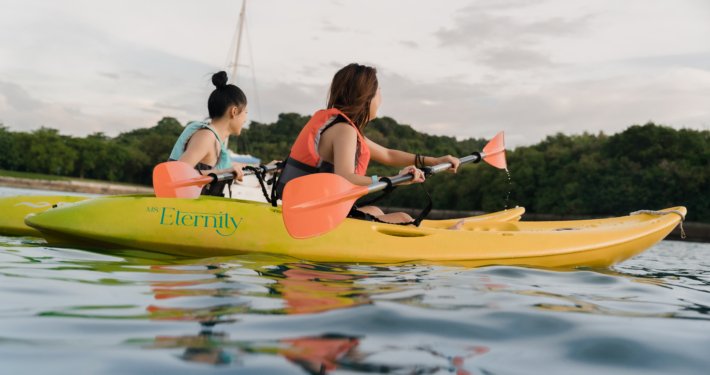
334, 141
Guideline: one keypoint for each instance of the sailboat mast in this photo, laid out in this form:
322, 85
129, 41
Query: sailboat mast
235, 64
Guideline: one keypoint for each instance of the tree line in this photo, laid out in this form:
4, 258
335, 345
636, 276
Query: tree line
643, 167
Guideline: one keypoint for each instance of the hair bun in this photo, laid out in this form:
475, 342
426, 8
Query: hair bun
219, 79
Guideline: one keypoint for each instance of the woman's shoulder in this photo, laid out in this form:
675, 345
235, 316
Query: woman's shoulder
197, 125
340, 134
202, 136
344, 128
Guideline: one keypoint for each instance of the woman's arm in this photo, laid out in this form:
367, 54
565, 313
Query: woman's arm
397, 158
199, 147
344, 150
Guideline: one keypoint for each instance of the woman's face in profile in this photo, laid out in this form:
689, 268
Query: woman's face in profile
239, 120
375, 104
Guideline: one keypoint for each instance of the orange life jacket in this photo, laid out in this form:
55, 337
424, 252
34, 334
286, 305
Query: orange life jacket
304, 158
305, 149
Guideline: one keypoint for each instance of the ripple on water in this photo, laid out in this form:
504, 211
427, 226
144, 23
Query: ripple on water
518, 325
631, 354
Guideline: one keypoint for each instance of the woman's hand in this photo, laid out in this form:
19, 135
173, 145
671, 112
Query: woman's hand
448, 159
237, 170
418, 174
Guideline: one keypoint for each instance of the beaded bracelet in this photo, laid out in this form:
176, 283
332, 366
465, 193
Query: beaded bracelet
419, 161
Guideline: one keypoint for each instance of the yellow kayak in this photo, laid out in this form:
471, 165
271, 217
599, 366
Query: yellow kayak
211, 226
14, 209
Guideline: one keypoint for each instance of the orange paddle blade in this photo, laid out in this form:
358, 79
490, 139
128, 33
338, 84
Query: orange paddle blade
176, 179
317, 203
495, 152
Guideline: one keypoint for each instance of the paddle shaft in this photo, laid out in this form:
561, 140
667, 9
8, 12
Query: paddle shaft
247, 171
214, 177
381, 185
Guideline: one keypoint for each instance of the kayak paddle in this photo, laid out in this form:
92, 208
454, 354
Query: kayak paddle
177, 179
317, 203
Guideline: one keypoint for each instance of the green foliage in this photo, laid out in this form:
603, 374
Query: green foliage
130, 157
12, 146
142, 149
270, 141
50, 153
644, 167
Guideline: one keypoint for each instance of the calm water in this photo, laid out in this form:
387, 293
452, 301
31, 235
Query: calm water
68, 311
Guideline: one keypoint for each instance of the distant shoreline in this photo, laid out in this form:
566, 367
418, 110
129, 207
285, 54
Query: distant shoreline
74, 186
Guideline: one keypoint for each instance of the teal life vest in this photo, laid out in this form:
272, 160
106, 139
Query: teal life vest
223, 159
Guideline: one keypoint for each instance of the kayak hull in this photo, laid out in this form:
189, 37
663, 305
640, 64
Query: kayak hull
14, 209
208, 227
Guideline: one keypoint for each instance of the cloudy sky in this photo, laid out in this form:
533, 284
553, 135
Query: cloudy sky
460, 68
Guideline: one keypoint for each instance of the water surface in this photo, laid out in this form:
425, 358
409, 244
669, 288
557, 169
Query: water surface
70, 311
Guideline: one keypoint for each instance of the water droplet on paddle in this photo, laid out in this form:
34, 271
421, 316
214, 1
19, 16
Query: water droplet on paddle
510, 184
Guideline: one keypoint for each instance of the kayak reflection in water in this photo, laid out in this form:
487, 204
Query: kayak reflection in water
305, 289
314, 354
310, 288
317, 354
333, 141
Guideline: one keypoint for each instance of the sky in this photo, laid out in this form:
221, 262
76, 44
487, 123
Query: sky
531, 68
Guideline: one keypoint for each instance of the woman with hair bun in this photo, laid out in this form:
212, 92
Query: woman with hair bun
333, 141
203, 144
